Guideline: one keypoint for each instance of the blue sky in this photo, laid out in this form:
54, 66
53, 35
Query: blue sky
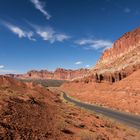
47, 34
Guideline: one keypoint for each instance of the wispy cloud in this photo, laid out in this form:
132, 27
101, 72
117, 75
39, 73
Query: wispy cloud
41, 7
87, 66
49, 34
95, 44
127, 10
5, 71
30, 36
78, 62
16, 30
20, 32
46, 33
61, 37
101, 44
83, 41
2, 66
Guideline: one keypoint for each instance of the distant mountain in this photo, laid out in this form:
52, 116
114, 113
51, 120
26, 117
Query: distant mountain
58, 74
116, 63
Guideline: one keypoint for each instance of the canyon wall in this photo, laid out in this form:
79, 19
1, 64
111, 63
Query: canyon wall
119, 61
58, 74
124, 45
116, 63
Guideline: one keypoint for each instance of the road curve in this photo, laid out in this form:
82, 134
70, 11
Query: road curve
131, 120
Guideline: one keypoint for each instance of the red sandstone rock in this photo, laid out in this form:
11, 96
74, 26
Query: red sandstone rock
123, 95
121, 60
58, 74
125, 44
115, 63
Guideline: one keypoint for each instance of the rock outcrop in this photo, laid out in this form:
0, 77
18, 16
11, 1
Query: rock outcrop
58, 74
119, 61
116, 63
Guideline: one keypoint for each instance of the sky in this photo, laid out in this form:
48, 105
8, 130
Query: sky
71, 34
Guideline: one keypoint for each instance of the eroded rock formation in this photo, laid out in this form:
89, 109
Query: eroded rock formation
121, 60
58, 74
117, 62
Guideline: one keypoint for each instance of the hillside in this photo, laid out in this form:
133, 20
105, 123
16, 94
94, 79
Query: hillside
119, 61
123, 95
58, 74
30, 111
114, 81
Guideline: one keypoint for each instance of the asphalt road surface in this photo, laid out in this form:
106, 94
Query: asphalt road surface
128, 119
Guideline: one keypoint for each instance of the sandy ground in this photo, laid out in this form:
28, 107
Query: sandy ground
32, 112
123, 95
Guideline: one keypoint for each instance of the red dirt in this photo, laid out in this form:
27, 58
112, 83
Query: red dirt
123, 95
32, 112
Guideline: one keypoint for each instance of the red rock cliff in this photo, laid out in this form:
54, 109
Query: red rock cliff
121, 60
58, 74
123, 46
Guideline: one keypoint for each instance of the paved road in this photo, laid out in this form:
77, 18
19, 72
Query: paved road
131, 120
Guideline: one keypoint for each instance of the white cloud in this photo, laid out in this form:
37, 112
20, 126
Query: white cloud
78, 62
30, 36
84, 41
101, 44
47, 34
95, 44
16, 30
87, 66
40, 6
4, 71
2, 66
127, 10
61, 37
50, 35
20, 32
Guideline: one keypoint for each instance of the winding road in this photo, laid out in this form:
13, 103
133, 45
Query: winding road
128, 119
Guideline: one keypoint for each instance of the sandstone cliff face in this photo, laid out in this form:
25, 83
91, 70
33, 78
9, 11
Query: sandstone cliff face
124, 45
119, 61
58, 74
115, 63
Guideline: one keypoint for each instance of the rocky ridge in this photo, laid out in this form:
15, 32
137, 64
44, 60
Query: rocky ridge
58, 74
119, 61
